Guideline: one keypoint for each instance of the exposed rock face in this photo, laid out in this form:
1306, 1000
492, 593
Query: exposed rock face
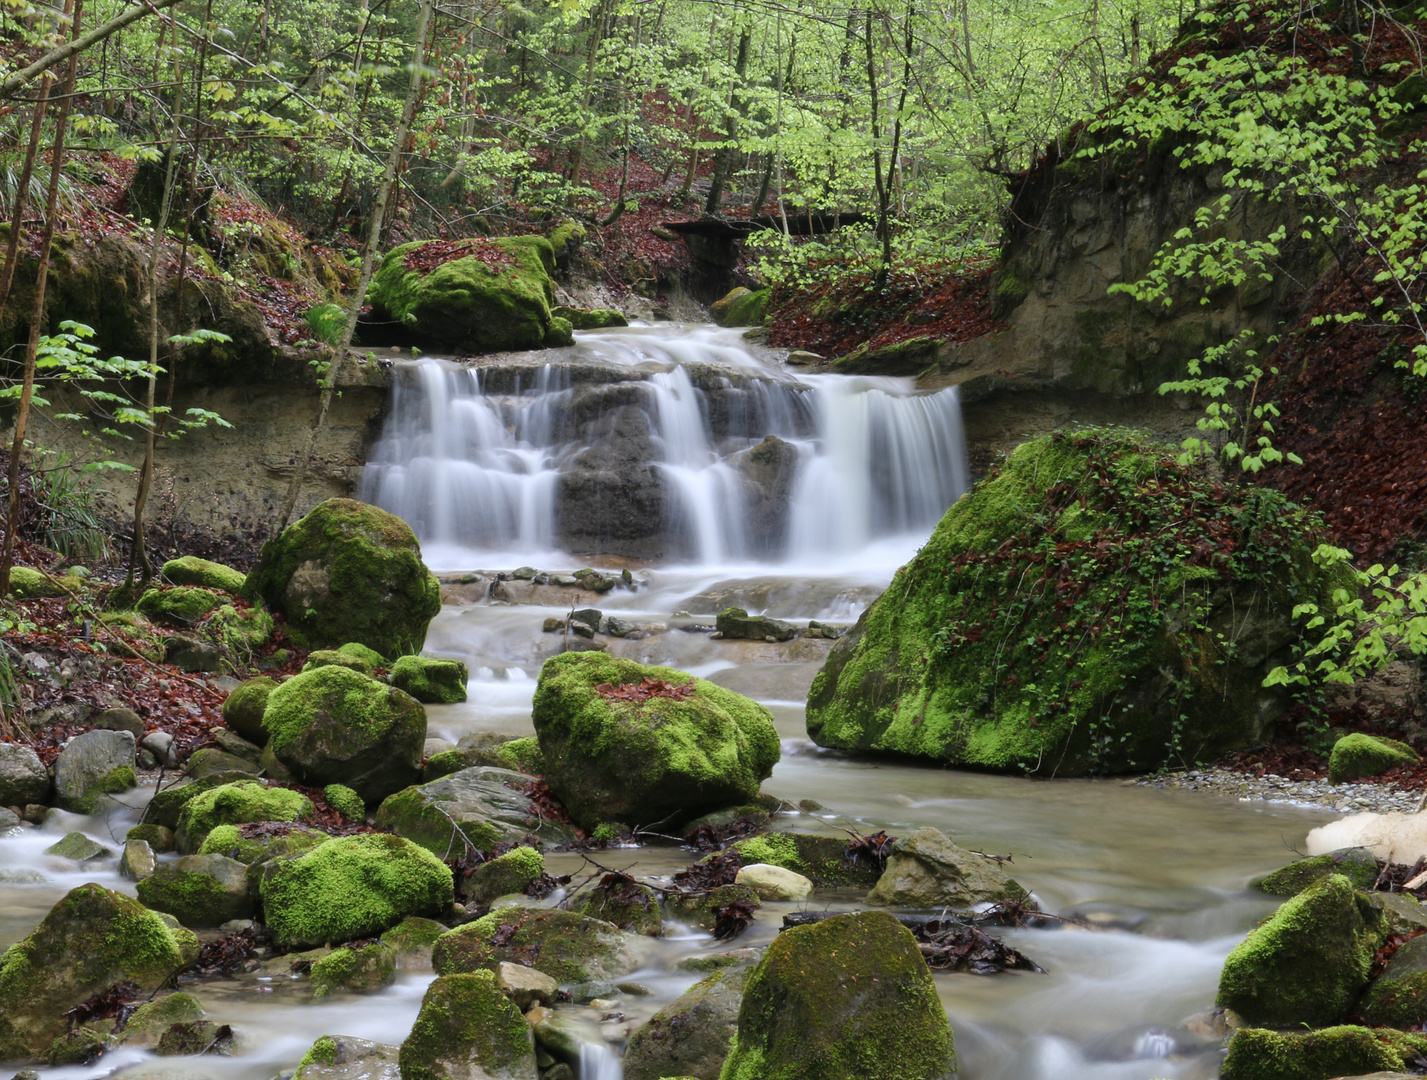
477, 806
612, 493
349, 572
926, 870
23, 776
769, 471
689, 1038
92, 765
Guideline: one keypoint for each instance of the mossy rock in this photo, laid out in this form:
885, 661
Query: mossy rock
689, 1036
153, 1018
336, 658
1358, 755
91, 940
1091, 607
564, 239
345, 801
332, 725
592, 318
166, 805
413, 937
503, 875
361, 652
271, 851
229, 840
199, 890
348, 572
357, 970
522, 754
468, 1028
904, 358
741, 307
475, 808
1307, 963
564, 944
207, 575
848, 996
821, 859
561, 334
341, 1057
185, 605
615, 759
351, 887
630, 907
156, 836
1398, 996
697, 909
1256, 1054
926, 870
236, 804
27, 583
470, 304
243, 708
240, 630
1358, 865
453, 761
429, 680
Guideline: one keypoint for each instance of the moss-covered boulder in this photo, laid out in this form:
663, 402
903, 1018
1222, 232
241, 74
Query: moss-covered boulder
27, 583
467, 1028
336, 726
235, 804
244, 705
341, 1057
1398, 996
904, 358
1358, 755
1256, 1054
191, 570
337, 658
927, 870
91, 940
351, 887
701, 908
824, 860
1356, 864
185, 605
522, 755
501, 876
167, 804
591, 318
345, 801
249, 844
563, 944
1091, 606
1308, 963
626, 742
359, 969
469, 295
690, 1036
156, 836
153, 1018
240, 630
623, 902
429, 680
199, 890
474, 808
348, 572
741, 307
847, 996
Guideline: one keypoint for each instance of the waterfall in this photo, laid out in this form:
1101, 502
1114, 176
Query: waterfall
650, 442
598, 1062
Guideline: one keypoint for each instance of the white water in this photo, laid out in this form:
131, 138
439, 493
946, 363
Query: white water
472, 458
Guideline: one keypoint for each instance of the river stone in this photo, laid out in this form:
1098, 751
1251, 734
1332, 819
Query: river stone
1356, 864
90, 940
927, 672
1307, 963
429, 680
774, 882
927, 870
23, 776
341, 1057
138, 860
243, 708
191, 655
525, 986
78, 847
349, 572
468, 1029
361, 970
210, 761
120, 719
412, 938
639, 762
736, 623
1345, 1051
1398, 997
629, 906
190, 570
199, 890
501, 876
335, 726
822, 859
478, 806
568, 946
848, 996
247, 800
698, 909
92, 765
153, 1018
690, 1036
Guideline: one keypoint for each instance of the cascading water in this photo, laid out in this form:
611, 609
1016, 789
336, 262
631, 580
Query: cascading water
649, 442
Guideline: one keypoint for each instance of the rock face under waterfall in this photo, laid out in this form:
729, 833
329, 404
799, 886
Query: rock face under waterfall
1092, 607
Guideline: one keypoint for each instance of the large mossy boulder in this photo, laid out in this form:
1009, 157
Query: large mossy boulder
564, 944
191, 570
1357, 755
741, 307
1256, 1054
848, 996
626, 742
351, 887
332, 725
91, 940
927, 870
1307, 963
236, 804
690, 1036
468, 1029
472, 808
469, 295
348, 572
1091, 607
199, 890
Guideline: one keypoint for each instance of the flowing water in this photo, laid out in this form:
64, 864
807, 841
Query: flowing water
1157, 878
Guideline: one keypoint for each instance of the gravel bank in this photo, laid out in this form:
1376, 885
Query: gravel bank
1350, 798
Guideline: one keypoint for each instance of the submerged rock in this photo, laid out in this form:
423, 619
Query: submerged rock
847, 996
927, 870
625, 742
478, 807
689, 1037
349, 572
565, 944
625, 903
468, 1030
1091, 607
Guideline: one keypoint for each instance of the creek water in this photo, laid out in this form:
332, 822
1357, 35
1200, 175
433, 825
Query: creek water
1156, 878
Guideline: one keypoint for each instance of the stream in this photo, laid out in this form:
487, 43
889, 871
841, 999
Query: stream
476, 459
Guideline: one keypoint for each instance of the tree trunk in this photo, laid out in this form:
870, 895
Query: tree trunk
22, 193
723, 156
79, 44
577, 157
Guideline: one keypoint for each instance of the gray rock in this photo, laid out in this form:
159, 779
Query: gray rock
8, 819
92, 765
192, 655
341, 1057
588, 616
525, 985
479, 802
138, 860
199, 890
78, 847
614, 626
689, 1037
927, 870
23, 776
210, 761
236, 745
525, 573
160, 744
736, 623
120, 719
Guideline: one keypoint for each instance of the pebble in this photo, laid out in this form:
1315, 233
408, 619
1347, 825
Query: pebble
1348, 798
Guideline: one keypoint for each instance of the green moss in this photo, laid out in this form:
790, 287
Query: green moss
345, 801
361, 652
503, 875
746, 309
635, 910
822, 859
182, 606
413, 935
27, 583
337, 658
607, 832
1255, 1054
1359, 755
240, 631
156, 836
321, 1052
227, 840
465, 1019
166, 805
560, 335
359, 970
1048, 625
429, 680
593, 319
236, 804
470, 303
1356, 864
564, 944
363, 704
92, 800
643, 761
192, 890
523, 755
153, 1017
208, 575
243, 708
906, 358
414, 816
351, 887
1309, 961
564, 237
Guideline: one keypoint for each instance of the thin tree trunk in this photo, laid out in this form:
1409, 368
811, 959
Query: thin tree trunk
27, 388
577, 158
723, 156
79, 44
393, 163
22, 193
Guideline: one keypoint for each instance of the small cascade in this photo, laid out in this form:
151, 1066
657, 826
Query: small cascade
662, 442
599, 1062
